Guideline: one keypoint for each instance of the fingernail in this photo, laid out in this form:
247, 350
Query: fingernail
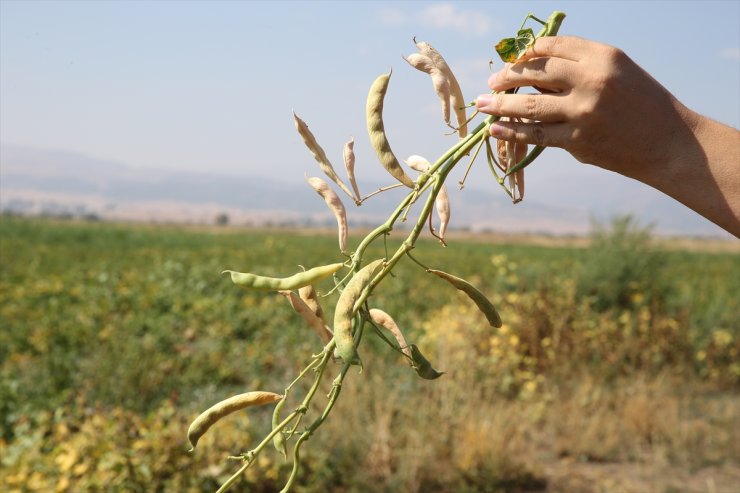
483, 100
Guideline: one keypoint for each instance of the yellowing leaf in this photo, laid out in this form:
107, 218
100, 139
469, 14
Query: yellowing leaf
510, 49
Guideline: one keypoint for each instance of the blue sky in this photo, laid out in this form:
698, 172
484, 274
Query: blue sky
211, 85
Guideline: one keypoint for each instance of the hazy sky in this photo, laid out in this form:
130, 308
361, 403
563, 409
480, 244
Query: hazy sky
211, 85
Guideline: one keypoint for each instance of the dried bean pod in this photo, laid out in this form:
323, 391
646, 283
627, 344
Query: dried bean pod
349, 164
386, 321
308, 316
442, 204
309, 297
439, 80
318, 153
442, 201
483, 303
336, 206
344, 312
251, 281
422, 365
208, 418
376, 130
456, 97
510, 153
417, 163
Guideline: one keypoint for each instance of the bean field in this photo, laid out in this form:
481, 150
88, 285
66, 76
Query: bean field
616, 369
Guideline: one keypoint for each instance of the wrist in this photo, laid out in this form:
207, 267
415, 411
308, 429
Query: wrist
701, 168
674, 158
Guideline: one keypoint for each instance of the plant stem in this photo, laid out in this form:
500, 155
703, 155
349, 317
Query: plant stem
433, 179
336, 388
382, 189
252, 454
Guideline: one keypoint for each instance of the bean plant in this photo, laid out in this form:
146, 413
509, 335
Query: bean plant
357, 276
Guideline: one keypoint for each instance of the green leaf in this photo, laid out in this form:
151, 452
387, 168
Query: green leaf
510, 49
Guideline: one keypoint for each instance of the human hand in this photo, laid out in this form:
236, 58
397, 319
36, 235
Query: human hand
604, 109
596, 103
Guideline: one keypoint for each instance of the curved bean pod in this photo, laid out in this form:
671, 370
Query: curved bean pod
456, 96
279, 440
348, 153
386, 321
483, 303
344, 312
309, 297
510, 153
440, 82
441, 202
417, 163
336, 206
261, 283
376, 130
422, 365
208, 418
318, 153
308, 316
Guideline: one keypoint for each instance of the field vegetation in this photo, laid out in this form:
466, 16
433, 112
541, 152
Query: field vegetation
617, 368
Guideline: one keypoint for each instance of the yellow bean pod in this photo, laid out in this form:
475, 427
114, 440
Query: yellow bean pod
376, 130
483, 303
261, 283
318, 153
344, 312
208, 418
308, 316
335, 205
456, 97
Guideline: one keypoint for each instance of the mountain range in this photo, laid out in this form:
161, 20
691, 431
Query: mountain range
56, 182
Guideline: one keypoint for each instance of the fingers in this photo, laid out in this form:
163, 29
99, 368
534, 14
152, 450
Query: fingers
541, 134
552, 63
540, 107
554, 74
566, 47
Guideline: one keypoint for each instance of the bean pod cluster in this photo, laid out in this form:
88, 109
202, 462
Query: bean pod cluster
356, 277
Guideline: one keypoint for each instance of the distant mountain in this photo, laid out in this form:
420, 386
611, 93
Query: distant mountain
63, 182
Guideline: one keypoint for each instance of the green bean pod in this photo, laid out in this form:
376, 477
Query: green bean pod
279, 440
208, 418
376, 130
344, 312
422, 365
262, 283
483, 303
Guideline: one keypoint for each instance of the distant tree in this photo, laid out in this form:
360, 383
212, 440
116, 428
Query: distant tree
222, 219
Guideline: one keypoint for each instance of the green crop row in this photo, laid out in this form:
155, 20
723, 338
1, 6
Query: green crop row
113, 337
